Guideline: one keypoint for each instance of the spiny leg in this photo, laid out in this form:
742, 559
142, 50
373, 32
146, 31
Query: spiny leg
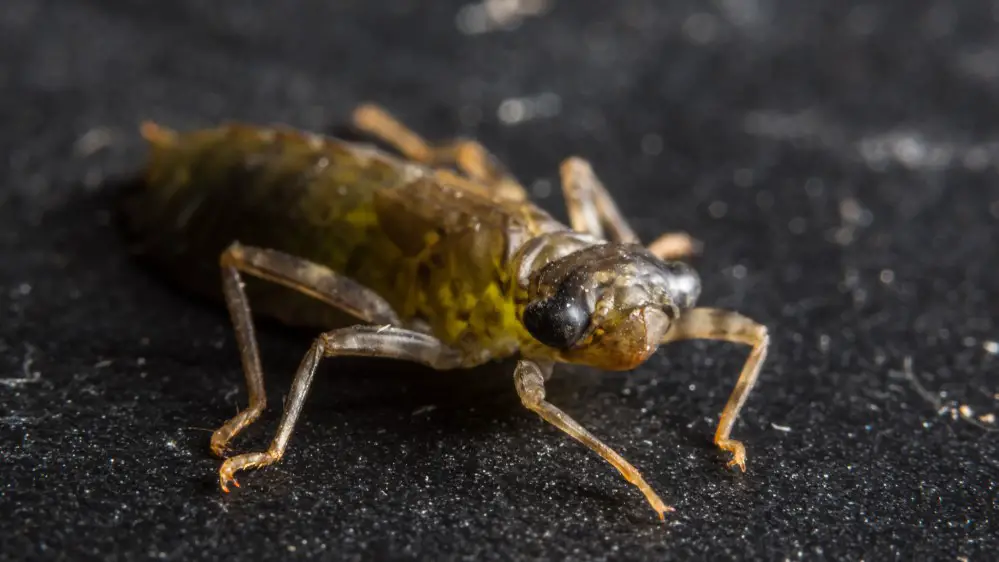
306, 277
469, 156
358, 341
724, 325
529, 378
592, 210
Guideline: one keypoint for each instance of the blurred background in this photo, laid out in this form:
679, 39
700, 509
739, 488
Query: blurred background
837, 159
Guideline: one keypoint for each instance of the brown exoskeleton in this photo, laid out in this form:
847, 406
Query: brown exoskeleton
439, 255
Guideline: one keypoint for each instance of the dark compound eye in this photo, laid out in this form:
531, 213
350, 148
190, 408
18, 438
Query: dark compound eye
560, 320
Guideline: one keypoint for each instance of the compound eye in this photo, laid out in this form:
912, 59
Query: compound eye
560, 320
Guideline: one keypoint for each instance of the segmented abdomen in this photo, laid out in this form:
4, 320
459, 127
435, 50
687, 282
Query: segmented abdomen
436, 253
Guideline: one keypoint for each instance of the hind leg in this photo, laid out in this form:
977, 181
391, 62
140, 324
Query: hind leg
592, 210
309, 278
467, 155
358, 341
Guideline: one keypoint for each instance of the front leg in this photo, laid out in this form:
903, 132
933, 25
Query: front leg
592, 210
724, 325
529, 378
358, 341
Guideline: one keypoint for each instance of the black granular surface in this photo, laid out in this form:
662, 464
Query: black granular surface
837, 159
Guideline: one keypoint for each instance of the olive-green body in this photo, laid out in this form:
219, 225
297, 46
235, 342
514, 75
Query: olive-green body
435, 245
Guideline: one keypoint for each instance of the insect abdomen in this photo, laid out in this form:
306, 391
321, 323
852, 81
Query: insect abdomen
434, 252
302, 195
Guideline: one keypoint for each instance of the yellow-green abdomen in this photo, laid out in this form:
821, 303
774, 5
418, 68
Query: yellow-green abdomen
436, 252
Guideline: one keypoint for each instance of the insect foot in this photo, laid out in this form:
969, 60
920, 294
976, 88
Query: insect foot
243, 462
738, 453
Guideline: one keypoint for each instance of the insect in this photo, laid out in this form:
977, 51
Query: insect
436, 253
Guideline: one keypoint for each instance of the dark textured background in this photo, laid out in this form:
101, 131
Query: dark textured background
838, 159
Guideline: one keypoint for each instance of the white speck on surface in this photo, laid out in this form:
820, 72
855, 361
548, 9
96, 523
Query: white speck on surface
744, 13
512, 111
739, 271
718, 209
498, 15
764, 199
652, 144
797, 225
547, 104
784, 428
92, 141
991, 347
815, 187
824, 341
853, 216
862, 20
541, 188
424, 409
910, 150
887, 276
743, 177
802, 125
976, 158
915, 151
852, 212
701, 28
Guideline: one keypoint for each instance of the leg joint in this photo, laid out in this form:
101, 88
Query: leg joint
530, 384
232, 255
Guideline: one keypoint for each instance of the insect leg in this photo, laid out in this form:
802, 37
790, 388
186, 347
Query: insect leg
529, 378
309, 278
674, 246
715, 324
469, 156
358, 341
592, 210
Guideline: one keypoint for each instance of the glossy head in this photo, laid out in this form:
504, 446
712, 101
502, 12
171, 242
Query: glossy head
607, 305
